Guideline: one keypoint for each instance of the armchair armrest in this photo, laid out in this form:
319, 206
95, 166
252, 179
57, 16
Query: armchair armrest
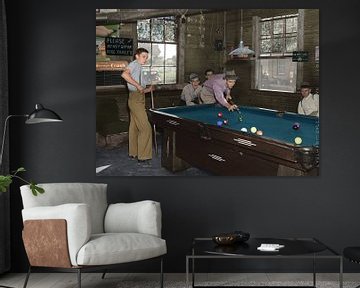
138, 217
78, 223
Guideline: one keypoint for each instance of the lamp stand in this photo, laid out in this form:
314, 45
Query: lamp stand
4, 136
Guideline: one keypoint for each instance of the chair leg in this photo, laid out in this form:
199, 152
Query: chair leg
27, 277
161, 273
103, 275
79, 277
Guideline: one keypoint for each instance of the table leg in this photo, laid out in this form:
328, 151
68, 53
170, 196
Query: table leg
187, 272
193, 272
341, 273
314, 271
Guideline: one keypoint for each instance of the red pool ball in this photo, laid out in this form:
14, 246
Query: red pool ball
220, 114
226, 122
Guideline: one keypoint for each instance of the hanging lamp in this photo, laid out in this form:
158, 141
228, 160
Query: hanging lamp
242, 50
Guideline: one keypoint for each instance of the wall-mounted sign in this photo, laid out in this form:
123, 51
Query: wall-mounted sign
119, 46
300, 56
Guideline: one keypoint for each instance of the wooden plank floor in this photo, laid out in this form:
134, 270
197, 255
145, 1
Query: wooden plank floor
171, 280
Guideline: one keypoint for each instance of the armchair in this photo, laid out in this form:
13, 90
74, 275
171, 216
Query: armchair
71, 228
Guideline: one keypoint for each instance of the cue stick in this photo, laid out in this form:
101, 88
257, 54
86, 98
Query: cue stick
152, 106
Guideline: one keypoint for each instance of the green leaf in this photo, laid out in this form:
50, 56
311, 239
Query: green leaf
20, 169
36, 189
5, 182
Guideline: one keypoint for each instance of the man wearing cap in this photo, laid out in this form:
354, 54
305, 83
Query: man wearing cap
191, 92
217, 89
309, 104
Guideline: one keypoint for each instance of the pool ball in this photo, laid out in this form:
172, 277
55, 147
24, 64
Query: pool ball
240, 118
220, 114
219, 123
259, 132
298, 140
243, 129
253, 129
296, 126
226, 121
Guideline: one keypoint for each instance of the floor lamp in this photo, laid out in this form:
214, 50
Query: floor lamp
39, 115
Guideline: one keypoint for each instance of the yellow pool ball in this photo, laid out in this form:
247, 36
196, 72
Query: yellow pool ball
259, 132
253, 129
298, 140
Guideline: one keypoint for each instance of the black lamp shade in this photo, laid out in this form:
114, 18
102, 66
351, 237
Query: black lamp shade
42, 115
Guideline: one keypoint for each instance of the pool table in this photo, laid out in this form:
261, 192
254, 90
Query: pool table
197, 136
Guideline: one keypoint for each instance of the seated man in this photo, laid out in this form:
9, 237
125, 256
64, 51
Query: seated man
309, 104
208, 74
217, 88
191, 92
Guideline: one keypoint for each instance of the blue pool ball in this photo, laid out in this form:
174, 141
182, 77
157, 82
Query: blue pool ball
296, 126
219, 123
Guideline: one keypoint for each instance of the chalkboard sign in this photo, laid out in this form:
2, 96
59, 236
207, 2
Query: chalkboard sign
300, 56
119, 46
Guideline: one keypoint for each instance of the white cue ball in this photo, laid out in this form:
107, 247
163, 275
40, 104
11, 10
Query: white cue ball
243, 129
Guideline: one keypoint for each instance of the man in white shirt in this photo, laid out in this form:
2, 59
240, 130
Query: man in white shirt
309, 104
191, 92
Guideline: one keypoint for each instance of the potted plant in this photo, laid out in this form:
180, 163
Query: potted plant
6, 180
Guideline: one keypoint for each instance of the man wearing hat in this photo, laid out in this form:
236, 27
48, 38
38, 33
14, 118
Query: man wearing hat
309, 104
217, 89
191, 92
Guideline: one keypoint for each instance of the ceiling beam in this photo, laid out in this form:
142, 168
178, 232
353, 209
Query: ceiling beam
133, 15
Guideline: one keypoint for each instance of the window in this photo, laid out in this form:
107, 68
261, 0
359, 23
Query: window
159, 37
278, 38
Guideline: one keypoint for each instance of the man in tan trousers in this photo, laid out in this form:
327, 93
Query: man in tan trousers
140, 131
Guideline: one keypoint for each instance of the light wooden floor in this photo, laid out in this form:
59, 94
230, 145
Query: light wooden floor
176, 280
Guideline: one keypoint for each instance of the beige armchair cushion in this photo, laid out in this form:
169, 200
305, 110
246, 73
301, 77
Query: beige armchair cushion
138, 217
112, 248
93, 194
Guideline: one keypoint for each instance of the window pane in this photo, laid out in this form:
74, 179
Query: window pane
278, 27
143, 30
265, 46
170, 31
170, 54
157, 30
158, 54
277, 74
291, 25
266, 28
151, 76
158, 73
278, 45
291, 44
170, 75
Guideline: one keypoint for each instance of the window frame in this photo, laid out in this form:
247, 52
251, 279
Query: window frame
256, 43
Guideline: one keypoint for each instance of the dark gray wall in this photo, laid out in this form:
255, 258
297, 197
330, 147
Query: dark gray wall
52, 62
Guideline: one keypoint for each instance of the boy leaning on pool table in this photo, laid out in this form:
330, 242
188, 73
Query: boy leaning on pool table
217, 89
